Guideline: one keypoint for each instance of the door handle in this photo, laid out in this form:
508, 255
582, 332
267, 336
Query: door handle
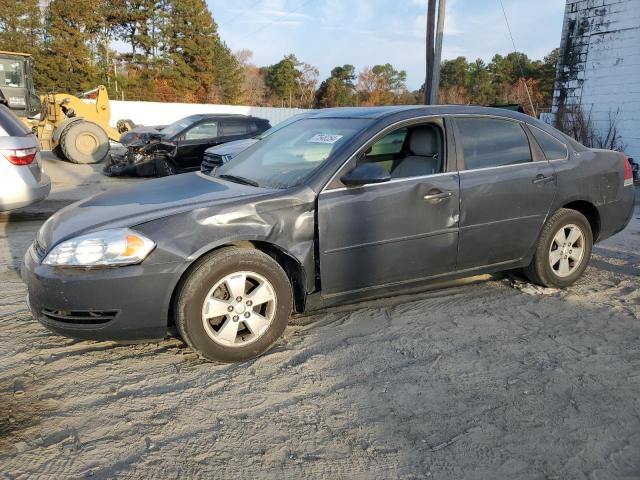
543, 179
437, 195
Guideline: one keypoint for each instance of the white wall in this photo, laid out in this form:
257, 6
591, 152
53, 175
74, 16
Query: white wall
603, 70
156, 113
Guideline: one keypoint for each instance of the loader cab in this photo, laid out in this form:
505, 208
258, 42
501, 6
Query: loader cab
16, 84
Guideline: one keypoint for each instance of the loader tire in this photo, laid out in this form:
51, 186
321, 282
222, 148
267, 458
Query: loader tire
124, 126
84, 142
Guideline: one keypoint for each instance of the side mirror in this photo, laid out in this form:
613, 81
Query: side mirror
366, 173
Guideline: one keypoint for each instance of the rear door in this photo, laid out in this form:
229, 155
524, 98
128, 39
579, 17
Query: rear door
506, 190
195, 141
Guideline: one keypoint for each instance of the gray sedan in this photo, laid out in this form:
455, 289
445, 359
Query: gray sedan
345, 205
22, 181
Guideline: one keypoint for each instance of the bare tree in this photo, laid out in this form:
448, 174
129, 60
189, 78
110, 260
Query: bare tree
573, 121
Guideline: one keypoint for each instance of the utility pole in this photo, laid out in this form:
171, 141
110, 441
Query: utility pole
431, 20
442, 6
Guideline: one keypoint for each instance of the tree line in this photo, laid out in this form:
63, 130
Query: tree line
170, 50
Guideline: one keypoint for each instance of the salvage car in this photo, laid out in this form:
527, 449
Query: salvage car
180, 147
22, 179
317, 214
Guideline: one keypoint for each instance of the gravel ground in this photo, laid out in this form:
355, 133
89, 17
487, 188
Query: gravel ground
491, 378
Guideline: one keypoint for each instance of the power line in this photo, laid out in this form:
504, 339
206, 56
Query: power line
515, 49
287, 14
243, 11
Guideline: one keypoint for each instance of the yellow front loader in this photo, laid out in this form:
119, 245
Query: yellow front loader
78, 130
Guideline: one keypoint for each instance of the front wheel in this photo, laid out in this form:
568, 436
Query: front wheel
563, 251
233, 305
84, 142
164, 167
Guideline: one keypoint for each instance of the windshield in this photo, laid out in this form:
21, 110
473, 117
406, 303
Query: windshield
12, 73
288, 156
176, 127
281, 125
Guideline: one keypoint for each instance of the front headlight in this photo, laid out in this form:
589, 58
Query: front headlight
119, 246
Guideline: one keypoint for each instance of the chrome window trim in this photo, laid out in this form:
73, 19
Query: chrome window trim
566, 147
375, 138
525, 164
393, 180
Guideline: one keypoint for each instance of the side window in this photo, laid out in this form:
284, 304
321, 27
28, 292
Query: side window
203, 131
390, 144
488, 142
410, 151
235, 127
553, 149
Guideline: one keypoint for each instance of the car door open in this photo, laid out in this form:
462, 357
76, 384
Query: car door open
400, 227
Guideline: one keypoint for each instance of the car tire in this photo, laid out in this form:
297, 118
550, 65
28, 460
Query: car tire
563, 250
214, 311
164, 167
84, 142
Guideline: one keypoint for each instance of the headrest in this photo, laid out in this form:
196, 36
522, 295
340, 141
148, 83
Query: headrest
423, 141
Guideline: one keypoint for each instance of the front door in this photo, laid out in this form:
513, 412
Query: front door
196, 140
506, 191
395, 232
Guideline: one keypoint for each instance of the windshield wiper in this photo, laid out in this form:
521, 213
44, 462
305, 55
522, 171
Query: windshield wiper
237, 179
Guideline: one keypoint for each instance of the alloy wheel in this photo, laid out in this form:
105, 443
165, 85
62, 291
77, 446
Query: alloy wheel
567, 250
239, 309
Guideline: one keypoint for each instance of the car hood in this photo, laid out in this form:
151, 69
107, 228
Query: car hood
140, 136
231, 148
142, 202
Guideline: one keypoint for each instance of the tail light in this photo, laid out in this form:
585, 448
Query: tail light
22, 156
628, 172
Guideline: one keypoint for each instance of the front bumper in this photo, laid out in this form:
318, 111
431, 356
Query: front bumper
121, 304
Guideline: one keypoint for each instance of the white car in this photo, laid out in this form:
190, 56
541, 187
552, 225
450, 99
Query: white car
22, 180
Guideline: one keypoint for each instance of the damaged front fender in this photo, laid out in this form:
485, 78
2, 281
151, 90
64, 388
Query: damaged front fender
279, 222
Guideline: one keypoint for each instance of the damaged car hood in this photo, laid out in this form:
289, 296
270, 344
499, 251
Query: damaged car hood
142, 202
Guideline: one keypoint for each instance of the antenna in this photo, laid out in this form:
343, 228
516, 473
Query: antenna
524, 80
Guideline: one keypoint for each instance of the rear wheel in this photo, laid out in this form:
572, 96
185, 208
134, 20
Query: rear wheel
84, 142
233, 305
563, 251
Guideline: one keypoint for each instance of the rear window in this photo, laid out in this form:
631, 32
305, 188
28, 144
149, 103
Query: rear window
488, 142
10, 125
553, 149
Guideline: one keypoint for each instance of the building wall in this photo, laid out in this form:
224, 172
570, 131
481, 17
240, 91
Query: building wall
599, 65
156, 113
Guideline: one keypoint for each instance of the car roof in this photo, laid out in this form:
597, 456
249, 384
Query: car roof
418, 110
204, 116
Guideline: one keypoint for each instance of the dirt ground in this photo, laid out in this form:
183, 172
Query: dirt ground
486, 379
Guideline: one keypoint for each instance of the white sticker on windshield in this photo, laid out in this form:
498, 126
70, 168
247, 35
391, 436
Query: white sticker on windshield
325, 138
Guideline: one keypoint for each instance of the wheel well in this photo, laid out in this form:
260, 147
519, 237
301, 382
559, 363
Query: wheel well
290, 265
590, 212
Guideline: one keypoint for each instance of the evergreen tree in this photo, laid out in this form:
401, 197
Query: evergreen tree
20, 28
190, 42
227, 73
282, 78
68, 60
338, 89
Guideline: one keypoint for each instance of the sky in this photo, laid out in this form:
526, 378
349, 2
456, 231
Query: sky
327, 33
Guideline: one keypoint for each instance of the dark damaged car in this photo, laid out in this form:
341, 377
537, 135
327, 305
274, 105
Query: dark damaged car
346, 205
180, 147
